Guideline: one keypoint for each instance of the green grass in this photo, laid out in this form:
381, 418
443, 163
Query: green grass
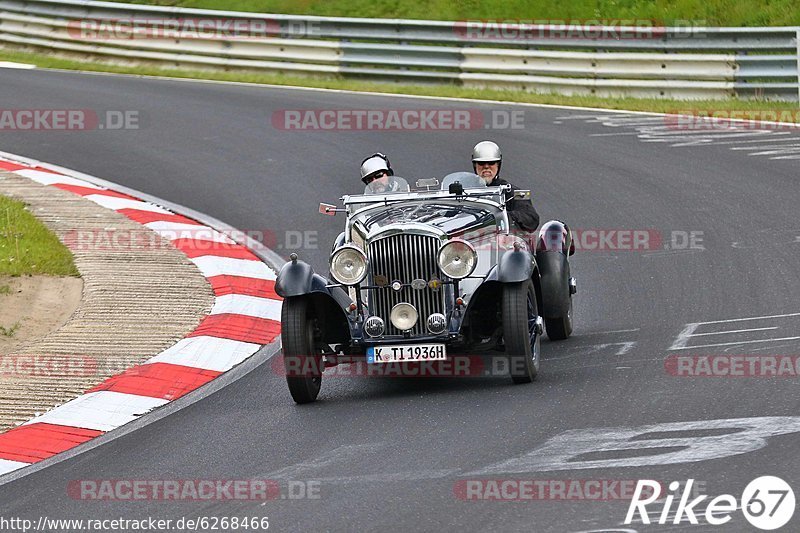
710, 12
634, 104
5, 289
10, 332
28, 247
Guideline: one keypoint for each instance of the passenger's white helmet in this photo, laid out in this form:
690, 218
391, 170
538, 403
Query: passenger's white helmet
487, 151
375, 163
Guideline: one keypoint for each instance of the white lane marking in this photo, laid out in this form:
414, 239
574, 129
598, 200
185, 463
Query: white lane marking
177, 230
690, 331
765, 317
328, 458
669, 129
565, 451
684, 336
792, 149
608, 530
312, 467
48, 178
774, 143
22, 66
241, 304
209, 353
389, 477
112, 202
102, 411
613, 331
662, 253
613, 134
7, 466
769, 139
731, 331
211, 266
624, 347
740, 342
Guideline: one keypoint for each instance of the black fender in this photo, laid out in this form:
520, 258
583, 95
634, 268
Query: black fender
297, 278
514, 266
330, 305
338, 242
555, 236
483, 306
554, 272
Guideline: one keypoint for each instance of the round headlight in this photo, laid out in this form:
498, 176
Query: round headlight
403, 316
437, 323
348, 265
457, 259
374, 326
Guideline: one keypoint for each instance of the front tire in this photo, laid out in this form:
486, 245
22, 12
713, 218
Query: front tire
520, 334
302, 361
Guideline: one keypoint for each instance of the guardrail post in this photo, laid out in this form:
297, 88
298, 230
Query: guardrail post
797, 43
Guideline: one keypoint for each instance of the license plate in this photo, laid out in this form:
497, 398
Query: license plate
408, 352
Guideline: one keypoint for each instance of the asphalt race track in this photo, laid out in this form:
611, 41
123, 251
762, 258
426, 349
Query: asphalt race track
395, 454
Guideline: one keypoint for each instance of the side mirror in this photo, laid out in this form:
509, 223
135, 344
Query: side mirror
329, 209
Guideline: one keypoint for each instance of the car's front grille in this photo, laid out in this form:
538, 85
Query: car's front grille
404, 258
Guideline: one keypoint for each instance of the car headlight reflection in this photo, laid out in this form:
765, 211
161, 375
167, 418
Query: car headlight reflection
348, 265
457, 259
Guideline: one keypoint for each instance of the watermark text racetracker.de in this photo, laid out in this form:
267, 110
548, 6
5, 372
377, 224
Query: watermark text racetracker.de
574, 29
69, 119
58, 365
199, 239
519, 490
725, 119
227, 29
193, 489
396, 119
733, 366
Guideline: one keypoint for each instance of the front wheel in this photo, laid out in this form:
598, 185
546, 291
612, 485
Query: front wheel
301, 359
521, 330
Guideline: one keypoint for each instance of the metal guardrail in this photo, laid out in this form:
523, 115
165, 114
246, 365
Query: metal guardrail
675, 62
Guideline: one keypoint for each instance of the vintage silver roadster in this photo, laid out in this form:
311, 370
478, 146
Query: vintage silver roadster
419, 275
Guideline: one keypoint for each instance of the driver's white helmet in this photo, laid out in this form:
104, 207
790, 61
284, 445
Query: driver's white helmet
487, 151
375, 163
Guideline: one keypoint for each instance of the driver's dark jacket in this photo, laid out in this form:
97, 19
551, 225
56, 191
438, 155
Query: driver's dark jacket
521, 212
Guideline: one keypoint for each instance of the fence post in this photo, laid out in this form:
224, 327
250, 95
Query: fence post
797, 44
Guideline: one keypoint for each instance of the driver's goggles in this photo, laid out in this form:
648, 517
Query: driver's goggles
372, 177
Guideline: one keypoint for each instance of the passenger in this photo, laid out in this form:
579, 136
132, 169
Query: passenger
377, 175
486, 162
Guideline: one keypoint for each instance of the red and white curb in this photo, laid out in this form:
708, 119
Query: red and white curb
245, 316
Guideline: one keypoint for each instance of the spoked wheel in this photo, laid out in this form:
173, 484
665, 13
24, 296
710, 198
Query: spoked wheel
301, 359
521, 333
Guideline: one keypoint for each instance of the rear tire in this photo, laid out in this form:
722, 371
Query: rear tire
302, 362
560, 328
519, 330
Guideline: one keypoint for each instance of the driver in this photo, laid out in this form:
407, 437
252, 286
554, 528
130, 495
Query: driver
486, 162
377, 175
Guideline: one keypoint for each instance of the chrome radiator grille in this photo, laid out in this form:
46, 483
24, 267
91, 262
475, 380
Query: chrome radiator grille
404, 258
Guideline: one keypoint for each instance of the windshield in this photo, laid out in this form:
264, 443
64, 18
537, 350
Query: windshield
468, 180
387, 185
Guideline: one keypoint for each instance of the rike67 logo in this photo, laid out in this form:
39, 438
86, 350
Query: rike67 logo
767, 502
